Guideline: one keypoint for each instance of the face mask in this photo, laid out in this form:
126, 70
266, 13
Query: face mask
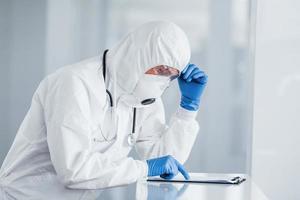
150, 87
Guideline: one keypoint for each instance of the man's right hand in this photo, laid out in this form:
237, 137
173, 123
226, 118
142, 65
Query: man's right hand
166, 167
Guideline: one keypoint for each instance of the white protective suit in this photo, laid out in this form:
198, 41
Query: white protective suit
61, 132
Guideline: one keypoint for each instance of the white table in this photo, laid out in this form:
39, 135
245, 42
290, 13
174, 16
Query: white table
247, 190
50, 188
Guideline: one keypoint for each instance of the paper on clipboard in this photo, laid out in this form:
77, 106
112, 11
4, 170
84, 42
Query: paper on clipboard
204, 178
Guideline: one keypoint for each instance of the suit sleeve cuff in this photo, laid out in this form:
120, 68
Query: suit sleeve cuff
186, 114
143, 169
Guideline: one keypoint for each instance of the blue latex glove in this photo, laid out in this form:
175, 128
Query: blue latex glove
192, 82
166, 167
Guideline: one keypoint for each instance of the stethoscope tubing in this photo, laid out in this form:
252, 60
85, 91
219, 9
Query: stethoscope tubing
109, 94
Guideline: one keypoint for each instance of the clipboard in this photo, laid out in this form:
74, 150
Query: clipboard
202, 179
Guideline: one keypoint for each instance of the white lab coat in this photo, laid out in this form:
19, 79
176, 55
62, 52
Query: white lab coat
61, 133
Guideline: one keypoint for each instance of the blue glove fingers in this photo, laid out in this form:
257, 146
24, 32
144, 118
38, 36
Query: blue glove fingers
189, 78
184, 70
189, 71
202, 79
196, 71
170, 169
167, 176
183, 171
198, 75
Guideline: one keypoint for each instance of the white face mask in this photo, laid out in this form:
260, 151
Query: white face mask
150, 86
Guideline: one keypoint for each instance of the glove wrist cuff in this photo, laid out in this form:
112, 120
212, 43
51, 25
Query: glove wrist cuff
189, 104
185, 114
143, 166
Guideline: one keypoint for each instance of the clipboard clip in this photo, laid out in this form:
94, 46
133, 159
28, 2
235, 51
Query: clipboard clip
237, 180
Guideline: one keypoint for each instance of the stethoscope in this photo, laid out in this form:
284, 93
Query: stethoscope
131, 136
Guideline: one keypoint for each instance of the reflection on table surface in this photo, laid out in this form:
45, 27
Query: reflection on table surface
48, 186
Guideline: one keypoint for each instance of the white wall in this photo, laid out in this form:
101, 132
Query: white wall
276, 130
4, 78
75, 31
22, 50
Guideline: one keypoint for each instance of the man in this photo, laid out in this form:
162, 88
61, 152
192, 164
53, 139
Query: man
85, 118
